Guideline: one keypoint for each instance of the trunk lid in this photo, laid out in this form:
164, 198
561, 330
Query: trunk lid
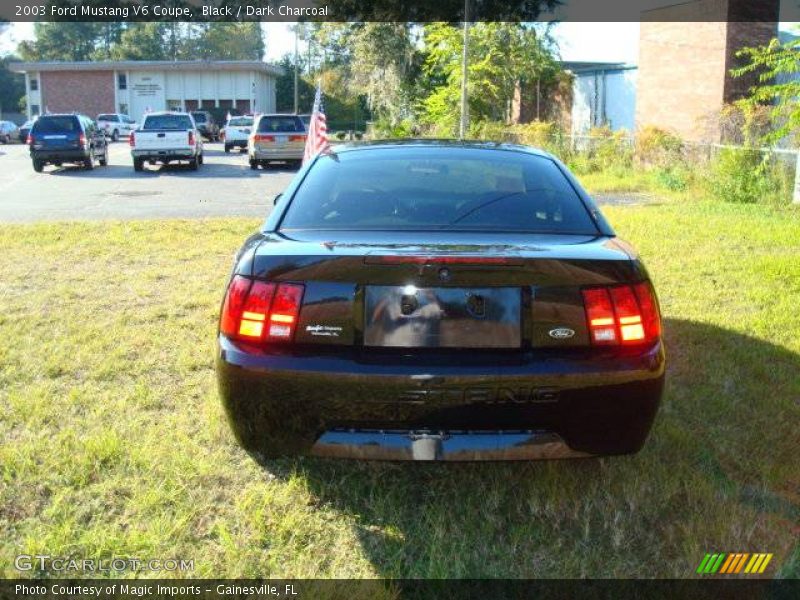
443, 289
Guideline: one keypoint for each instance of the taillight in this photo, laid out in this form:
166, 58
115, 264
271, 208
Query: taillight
259, 311
263, 138
82, 140
600, 314
284, 311
191, 138
132, 140
622, 314
29, 140
297, 138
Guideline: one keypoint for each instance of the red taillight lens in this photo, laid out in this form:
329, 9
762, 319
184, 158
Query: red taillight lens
284, 311
82, 140
258, 310
651, 319
622, 314
264, 138
29, 141
297, 138
132, 139
600, 314
191, 138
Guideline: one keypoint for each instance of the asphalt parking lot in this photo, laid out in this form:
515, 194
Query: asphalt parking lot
224, 186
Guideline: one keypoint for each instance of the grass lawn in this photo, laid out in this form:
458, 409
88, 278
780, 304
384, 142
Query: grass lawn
113, 441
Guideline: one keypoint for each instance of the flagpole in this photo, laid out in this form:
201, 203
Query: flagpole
462, 130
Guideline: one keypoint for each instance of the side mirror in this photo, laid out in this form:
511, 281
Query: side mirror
276, 198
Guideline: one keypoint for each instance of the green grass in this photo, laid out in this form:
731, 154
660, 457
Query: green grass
113, 441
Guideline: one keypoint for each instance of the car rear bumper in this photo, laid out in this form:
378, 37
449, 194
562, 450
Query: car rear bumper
163, 154
73, 155
236, 143
278, 154
380, 406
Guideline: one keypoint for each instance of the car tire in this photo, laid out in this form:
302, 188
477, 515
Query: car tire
200, 159
253, 164
104, 158
38, 166
89, 162
227, 148
138, 164
194, 164
115, 135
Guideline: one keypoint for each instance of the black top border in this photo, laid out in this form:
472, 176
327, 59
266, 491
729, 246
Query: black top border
419, 11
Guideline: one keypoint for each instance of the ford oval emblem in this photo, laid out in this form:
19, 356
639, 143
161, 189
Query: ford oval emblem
562, 333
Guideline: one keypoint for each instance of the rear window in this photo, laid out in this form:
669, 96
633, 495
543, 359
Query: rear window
112, 118
180, 122
65, 124
241, 121
275, 124
199, 117
423, 189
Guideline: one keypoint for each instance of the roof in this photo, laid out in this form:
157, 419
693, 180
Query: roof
148, 65
439, 143
578, 67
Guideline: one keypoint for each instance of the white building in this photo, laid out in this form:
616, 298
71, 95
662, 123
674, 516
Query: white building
135, 87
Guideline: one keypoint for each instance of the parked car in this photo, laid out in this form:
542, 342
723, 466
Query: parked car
66, 138
25, 129
276, 138
236, 132
8, 132
116, 125
206, 125
166, 137
435, 300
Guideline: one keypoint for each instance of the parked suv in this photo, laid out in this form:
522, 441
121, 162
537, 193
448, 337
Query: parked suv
206, 125
116, 125
67, 138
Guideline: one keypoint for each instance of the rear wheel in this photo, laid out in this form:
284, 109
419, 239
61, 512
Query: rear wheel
227, 148
114, 136
138, 164
253, 164
193, 164
89, 162
200, 159
104, 157
38, 166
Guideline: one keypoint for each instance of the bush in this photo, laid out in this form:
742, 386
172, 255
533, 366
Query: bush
491, 131
745, 175
546, 135
675, 178
658, 147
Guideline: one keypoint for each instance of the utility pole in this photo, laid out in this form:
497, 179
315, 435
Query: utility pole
462, 130
295, 69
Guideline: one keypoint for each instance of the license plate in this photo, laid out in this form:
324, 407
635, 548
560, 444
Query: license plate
410, 317
281, 139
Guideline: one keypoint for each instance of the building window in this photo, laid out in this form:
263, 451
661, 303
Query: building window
122, 81
174, 105
123, 108
34, 110
34, 84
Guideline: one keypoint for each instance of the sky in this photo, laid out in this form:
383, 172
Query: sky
604, 42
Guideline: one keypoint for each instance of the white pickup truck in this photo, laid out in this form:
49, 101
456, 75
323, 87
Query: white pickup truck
166, 137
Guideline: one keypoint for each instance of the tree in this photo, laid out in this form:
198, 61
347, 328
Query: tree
776, 68
12, 86
501, 55
143, 41
62, 41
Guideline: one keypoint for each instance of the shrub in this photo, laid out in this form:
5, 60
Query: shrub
658, 147
745, 175
491, 131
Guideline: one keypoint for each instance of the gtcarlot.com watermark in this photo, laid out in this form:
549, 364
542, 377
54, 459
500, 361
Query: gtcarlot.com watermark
60, 564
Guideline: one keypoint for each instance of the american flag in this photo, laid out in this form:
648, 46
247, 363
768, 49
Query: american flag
317, 138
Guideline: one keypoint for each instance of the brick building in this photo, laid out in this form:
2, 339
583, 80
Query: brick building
134, 87
684, 76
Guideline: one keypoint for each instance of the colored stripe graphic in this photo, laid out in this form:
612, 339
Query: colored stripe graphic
714, 567
741, 562
765, 563
702, 567
727, 564
752, 562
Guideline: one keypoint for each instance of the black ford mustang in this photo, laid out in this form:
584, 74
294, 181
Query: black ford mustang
435, 300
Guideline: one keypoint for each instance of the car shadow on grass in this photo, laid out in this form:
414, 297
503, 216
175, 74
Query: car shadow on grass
719, 471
